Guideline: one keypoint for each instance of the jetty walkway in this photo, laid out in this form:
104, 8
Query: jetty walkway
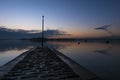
44, 64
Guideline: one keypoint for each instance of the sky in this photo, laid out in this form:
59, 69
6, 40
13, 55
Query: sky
75, 17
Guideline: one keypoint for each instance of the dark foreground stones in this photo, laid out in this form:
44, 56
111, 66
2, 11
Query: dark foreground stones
41, 64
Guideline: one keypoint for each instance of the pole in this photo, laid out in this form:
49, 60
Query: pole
42, 31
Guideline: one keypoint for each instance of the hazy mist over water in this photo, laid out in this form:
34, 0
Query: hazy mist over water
98, 57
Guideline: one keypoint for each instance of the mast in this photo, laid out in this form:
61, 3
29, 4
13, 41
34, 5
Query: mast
42, 31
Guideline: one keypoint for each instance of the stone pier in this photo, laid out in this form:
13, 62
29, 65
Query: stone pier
41, 64
44, 64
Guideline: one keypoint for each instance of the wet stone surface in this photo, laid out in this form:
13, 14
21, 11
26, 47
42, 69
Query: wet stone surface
41, 64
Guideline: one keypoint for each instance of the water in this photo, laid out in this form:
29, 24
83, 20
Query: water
98, 57
9, 49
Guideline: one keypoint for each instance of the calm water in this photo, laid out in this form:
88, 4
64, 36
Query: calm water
99, 57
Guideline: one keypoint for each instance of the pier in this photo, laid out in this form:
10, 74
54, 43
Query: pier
44, 63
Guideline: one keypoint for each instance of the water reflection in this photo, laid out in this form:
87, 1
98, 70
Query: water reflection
16, 44
84, 53
104, 51
59, 45
6, 56
9, 49
107, 67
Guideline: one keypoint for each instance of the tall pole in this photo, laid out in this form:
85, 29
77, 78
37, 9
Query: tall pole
42, 31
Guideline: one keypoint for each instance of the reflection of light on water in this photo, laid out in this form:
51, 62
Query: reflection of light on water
14, 48
105, 66
6, 56
59, 44
104, 51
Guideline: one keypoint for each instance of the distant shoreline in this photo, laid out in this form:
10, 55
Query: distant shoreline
105, 40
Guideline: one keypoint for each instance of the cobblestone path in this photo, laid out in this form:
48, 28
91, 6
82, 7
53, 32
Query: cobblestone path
41, 64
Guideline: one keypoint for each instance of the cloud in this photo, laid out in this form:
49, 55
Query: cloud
48, 33
6, 33
105, 28
2, 28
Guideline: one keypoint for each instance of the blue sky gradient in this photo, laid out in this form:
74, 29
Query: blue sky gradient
77, 17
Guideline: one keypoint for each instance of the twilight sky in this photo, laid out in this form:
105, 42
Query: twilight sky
76, 17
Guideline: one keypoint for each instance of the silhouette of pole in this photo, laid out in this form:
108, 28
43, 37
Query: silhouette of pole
42, 31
